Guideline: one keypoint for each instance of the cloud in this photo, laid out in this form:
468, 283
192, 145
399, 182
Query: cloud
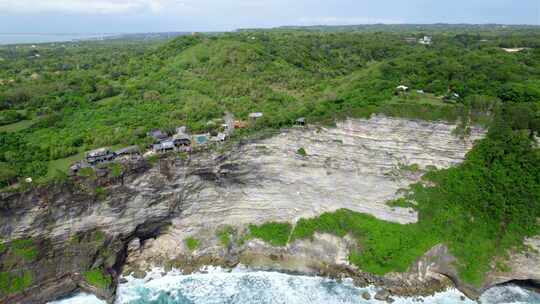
84, 6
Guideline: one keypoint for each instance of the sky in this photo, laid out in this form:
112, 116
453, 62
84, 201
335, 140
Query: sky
136, 16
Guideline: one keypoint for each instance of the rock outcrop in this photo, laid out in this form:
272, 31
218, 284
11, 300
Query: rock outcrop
144, 216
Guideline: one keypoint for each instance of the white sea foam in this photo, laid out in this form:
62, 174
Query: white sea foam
81, 298
243, 286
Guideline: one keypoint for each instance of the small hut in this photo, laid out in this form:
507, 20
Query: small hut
301, 121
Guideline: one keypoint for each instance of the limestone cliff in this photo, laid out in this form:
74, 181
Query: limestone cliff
143, 216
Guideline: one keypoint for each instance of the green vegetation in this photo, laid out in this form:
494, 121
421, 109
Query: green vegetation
109, 93
18, 126
153, 159
24, 248
101, 193
98, 278
302, 152
225, 236
116, 169
502, 267
87, 172
480, 209
10, 283
62, 165
276, 234
99, 236
411, 168
401, 202
192, 243
385, 246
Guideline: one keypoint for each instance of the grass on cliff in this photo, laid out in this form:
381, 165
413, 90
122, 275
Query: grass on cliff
11, 283
276, 234
192, 243
479, 209
385, 246
225, 236
98, 278
21, 248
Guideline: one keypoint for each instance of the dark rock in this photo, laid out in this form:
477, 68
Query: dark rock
384, 295
366, 296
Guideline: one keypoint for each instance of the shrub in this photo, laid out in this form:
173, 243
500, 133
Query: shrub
224, 236
98, 278
10, 283
192, 243
302, 152
24, 248
116, 169
276, 234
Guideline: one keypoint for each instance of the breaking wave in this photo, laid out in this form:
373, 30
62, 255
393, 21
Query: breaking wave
241, 286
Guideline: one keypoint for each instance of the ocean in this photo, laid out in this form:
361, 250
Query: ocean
242, 286
45, 38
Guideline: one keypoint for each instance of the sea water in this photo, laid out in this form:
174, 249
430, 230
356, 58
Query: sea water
242, 286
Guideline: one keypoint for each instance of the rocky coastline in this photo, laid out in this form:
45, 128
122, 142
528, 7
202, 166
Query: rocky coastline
132, 222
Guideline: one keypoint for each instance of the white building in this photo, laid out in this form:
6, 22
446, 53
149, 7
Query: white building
425, 41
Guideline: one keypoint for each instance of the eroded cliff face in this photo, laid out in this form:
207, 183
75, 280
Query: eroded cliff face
358, 165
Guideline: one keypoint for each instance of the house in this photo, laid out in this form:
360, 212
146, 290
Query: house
256, 115
164, 147
129, 151
513, 50
181, 140
301, 121
426, 40
157, 135
402, 88
100, 156
219, 137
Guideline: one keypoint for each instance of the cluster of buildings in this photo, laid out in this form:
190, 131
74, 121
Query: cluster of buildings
181, 141
104, 155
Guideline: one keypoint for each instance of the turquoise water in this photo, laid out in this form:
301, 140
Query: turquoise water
243, 287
